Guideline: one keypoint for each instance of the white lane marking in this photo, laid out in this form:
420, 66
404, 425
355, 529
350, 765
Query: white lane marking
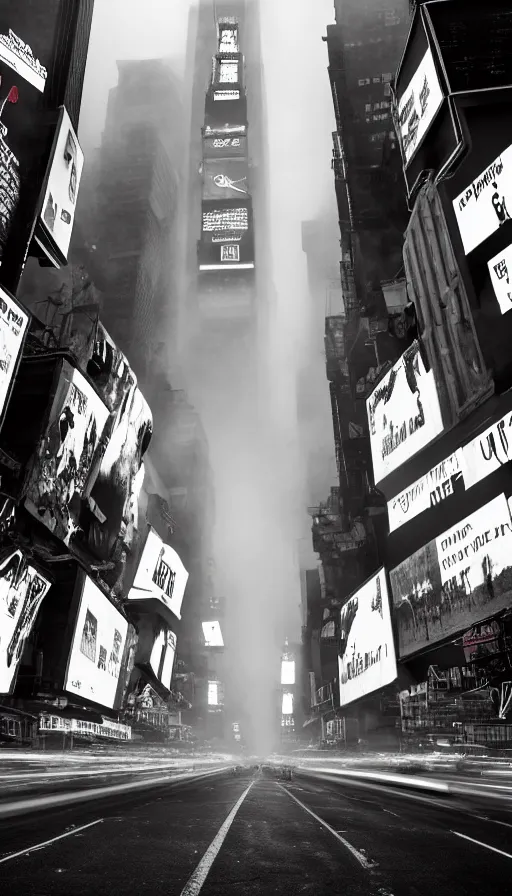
389, 812
485, 845
24, 852
196, 880
355, 852
493, 821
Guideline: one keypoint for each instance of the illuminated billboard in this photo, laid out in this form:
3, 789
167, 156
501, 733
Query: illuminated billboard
212, 634
225, 111
224, 147
404, 413
461, 577
57, 214
418, 106
228, 38
227, 240
287, 704
22, 589
94, 663
162, 655
367, 660
215, 693
500, 269
64, 457
486, 203
13, 328
225, 179
228, 71
288, 672
161, 577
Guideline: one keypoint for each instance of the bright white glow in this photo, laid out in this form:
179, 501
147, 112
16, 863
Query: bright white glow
213, 693
287, 705
220, 95
164, 645
228, 72
433, 488
500, 269
402, 421
228, 40
418, 106
488, 452
226, 267
22, 590
288, 672
160, 575
212, 634
226, 219
367, 660
486, 203
97, 648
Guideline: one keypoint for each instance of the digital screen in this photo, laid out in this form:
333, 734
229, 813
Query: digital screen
13, 327
418, 106
287, 705
462, 575
404, 413
22, 590
486, 203
367, 660
212, 634
65, 455
228, 40
63, 182
226, 219
97, 648
224, 147
224, 95
228, 72
162, 655
288, 672
225, 179
213, 693
160, 575
500, 270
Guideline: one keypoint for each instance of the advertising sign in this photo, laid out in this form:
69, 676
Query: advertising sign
221, 222
13, 327
223, 95
488, 452
486, 203
160, 576
215, 693
212, 634
22, 590
461, 577
418, 106
430, 490
94, 663
288, 672
500, 268
15, 53
287, 704
404, 413
228, 39
224, 147
64, 457
162, 655
62, 183
226, 179
367, 660
228, 71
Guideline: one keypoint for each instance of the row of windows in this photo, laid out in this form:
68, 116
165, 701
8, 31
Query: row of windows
376, 106
383, 79
375, 138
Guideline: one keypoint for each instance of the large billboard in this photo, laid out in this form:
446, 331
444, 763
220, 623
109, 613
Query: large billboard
94, 663
224, 147
454, 581
418, 105
161, 576
63, 177
288, 672
162, 655
228, 37
22, 589
225, 179
404, 413
212, 634
486, 203
227, 238
13, 328
65, 454
367, 659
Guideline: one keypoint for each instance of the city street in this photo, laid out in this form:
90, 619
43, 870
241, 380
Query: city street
255, 834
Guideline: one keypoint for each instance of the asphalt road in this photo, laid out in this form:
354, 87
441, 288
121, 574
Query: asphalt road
254, 835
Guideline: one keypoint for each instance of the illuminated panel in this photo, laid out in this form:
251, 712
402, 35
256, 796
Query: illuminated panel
228, 40
288, 672
213, 693
222, 95
287, 705
218, 220
212, 634
228, 73
225, 179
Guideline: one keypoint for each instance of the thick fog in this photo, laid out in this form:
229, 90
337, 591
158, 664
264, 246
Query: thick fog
260, 485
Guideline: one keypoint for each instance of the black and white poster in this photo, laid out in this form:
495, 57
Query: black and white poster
64, 457
367, 660
500, 271
63, 181
436, 486
457, 579
160, 575
404, 413
22, 589
418, 106
13, 328
486, 203
95, 659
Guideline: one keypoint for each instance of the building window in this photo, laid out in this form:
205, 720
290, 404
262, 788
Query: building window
376, 80
363, 82
368, 107
387, 78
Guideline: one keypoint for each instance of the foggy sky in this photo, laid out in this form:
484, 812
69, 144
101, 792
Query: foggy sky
300, 121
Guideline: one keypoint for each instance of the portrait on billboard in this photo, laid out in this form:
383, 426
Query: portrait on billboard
63, 460
367, 659
94, 662
63, 180
457, 579
22, 589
